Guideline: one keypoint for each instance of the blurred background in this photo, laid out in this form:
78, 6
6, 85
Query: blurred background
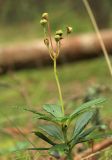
26, 76
20, 20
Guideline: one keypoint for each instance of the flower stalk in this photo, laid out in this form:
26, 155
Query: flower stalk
58, 84
53, 54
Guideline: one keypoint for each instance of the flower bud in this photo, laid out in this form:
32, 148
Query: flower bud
46, 42
59, 32
43, 22
45, 16
69, 30
57, 38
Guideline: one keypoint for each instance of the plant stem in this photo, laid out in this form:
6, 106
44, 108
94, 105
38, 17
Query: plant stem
58, 85
69, 156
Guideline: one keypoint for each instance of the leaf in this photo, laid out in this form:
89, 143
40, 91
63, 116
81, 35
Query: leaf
82, 123
59, 148
43, 137
53, 109
84, 107
47, 117
61, 119
53, 131
84, 134
41, 116
33, 111
98, 136
87, 132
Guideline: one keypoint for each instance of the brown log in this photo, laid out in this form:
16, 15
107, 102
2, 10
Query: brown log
36, 54
97, 147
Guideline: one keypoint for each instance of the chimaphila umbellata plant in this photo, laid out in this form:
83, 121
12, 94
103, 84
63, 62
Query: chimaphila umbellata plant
57, 131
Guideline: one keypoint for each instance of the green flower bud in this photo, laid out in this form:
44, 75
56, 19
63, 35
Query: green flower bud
45, 16
46, 42
59, 32
57, 38
43, 22
69, 30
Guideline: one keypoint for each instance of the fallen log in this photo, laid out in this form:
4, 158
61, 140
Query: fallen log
36, 54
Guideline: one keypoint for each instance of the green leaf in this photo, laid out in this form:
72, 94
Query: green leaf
87, 132
82, 123
84, 107
53, 131
98, 136
53, 109
43, 137
48, 117
84, 134
42, 116
59, 148
33, 111
61, 119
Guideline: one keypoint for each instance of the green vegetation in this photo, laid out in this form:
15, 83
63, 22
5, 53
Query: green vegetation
11, 91
24, 25
27, 30
76, 77
38, 85
58, 128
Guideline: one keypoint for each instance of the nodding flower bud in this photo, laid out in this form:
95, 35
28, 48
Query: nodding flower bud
45, 16
59, 32
69, 30
57, 38
43, 22
46, 42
